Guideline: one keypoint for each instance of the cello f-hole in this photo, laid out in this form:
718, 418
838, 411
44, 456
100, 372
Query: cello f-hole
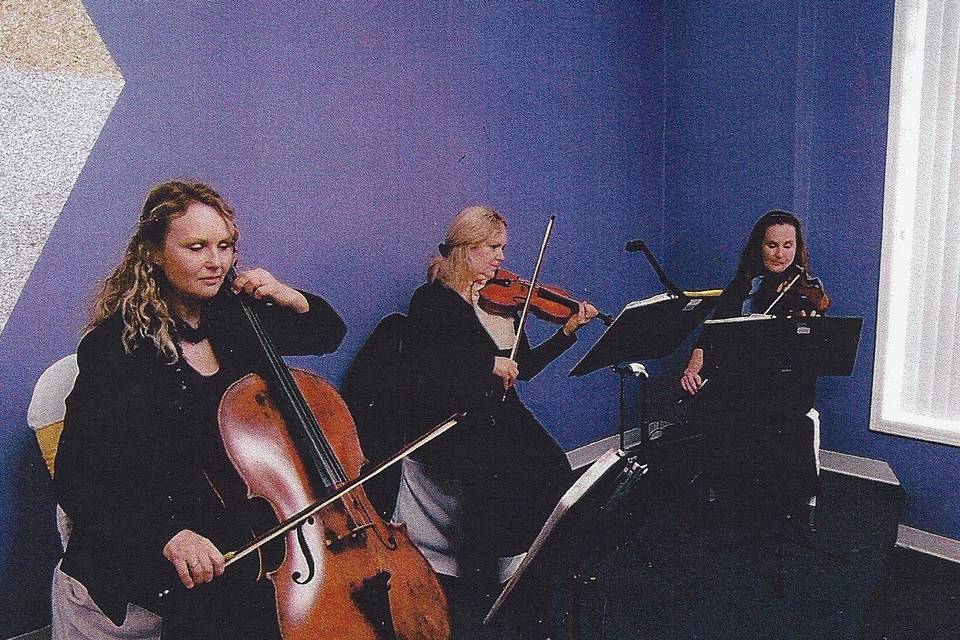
307, 554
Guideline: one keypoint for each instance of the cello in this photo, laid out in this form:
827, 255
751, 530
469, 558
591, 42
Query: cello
346, 573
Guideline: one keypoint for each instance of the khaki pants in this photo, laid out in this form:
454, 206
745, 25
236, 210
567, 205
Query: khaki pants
76, 616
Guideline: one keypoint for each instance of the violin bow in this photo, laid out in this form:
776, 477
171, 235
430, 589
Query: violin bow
785, 289
533, 287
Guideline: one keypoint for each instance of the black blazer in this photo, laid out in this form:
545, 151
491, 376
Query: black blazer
451, 355
511, 469
128, 472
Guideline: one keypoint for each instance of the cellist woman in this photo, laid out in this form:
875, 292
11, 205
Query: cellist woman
141, 470
475, 498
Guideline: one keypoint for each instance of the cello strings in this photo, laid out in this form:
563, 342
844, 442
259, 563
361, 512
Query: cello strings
307, 512
325, 460
310, 427
296, 403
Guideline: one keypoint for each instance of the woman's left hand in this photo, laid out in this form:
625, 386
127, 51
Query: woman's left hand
260, 284
584, 314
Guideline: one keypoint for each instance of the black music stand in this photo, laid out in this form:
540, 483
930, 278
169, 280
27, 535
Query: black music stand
600, 489
750, 351
753, 345
644, 330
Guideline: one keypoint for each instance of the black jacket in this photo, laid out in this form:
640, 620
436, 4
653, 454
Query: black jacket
511, 469
129, 470
451, 355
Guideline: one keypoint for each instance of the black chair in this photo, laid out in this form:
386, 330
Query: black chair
373, 389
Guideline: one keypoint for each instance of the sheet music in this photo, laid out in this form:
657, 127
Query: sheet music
750, 318
660, 297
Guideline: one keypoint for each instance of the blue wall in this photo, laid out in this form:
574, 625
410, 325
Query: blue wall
847, 137
347, 135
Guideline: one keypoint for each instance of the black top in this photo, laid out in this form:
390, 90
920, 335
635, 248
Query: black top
500, 449
451, 357
140, 446
455, 353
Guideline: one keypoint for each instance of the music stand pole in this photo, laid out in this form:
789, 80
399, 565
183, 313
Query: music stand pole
632, 370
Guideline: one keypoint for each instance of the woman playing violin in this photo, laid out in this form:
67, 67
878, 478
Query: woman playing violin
764, 423
141, 470
481, 492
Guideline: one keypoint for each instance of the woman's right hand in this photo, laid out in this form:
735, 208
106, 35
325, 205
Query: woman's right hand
195, 558
690, 380
505, 369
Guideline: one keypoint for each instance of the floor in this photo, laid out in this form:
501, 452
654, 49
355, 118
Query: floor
666, 563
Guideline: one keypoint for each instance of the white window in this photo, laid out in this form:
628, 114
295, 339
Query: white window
916, 389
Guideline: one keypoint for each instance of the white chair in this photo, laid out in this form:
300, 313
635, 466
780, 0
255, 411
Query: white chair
45, 416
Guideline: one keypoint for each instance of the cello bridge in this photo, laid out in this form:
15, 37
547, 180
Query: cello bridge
357, 535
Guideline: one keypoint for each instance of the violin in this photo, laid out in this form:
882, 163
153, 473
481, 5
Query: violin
809, 294
811, 289
506, 292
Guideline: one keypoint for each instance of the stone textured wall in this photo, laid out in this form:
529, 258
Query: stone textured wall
58, 85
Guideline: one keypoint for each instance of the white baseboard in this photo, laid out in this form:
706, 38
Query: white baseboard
929, 543
866, 468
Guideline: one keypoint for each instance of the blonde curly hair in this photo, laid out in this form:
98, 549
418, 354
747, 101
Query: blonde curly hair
135, 289
471, 226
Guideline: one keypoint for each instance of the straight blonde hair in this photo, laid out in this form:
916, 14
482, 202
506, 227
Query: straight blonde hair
471, 226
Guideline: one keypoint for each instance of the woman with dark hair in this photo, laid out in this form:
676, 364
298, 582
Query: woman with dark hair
474, 499
761, 430
141, 470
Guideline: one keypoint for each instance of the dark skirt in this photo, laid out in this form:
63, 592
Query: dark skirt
512, 473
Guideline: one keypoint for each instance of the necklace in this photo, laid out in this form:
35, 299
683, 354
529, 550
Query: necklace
193, 335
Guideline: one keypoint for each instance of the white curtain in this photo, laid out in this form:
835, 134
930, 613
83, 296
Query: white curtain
917, 371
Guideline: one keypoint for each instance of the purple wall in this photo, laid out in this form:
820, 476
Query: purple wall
784, 105
346, 136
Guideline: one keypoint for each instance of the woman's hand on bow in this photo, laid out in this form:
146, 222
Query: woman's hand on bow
195, 558
505, 369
